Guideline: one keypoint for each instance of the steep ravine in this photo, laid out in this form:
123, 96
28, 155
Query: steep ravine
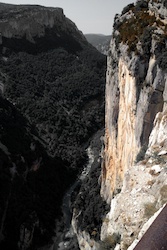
66, 239
51, 102
67, 206
89, 209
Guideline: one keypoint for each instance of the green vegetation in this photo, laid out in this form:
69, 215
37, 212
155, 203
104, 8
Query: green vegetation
127, 8
62, 94
131, 30
159, 159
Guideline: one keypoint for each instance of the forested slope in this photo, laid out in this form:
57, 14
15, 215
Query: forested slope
52, 101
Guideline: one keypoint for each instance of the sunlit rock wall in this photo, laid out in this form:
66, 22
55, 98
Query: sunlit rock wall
134, 166
134, 95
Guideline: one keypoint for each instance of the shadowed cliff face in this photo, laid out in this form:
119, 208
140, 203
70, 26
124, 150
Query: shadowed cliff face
30, 181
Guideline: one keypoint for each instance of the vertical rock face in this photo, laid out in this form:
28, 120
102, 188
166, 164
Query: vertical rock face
134, 163
134, 166
135, 88
121, 144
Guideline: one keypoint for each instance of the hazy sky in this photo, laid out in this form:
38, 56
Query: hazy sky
90, 16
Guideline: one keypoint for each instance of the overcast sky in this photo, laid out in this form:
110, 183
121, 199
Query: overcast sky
90, 16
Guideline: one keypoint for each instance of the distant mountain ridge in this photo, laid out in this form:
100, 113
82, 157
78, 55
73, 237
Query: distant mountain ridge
99, 41
36, 28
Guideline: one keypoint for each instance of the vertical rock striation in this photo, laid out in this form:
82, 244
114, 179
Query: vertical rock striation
134, 163
135, 88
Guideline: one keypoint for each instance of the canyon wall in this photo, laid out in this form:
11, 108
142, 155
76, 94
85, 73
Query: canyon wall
35, 29
134, 168
32, 22
134, 163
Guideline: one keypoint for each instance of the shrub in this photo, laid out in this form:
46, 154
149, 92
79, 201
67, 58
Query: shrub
146, 39
158, 158
131, 30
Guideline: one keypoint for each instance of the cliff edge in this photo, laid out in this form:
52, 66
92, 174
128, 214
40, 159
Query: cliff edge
34, 28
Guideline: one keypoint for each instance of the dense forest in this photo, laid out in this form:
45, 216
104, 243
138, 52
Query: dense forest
61, 93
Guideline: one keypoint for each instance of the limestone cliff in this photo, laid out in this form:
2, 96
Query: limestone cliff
135, 89
135, 121
134, 168
33, 28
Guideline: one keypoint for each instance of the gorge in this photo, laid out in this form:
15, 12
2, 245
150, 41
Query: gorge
51, 103
52, 84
